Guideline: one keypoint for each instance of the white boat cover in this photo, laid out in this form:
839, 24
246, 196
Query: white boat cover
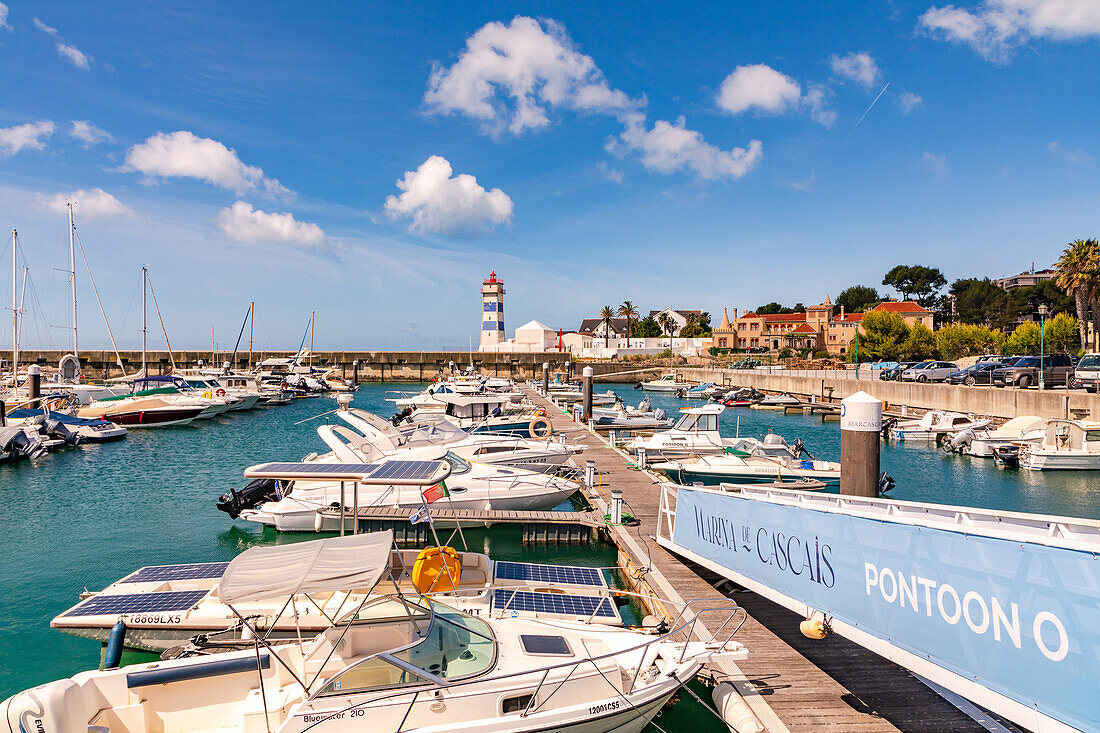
332, 564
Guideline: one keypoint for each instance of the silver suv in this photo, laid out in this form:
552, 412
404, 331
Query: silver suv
1087, 374
929, 371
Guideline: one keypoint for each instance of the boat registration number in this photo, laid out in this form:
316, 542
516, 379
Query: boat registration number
153, 619
604, 707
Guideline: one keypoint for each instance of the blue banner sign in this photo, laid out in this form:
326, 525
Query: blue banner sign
1019, 618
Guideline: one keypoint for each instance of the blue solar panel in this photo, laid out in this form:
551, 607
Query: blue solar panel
406, 470
110, 605
290, 470
190, 571
562, 603
565, 574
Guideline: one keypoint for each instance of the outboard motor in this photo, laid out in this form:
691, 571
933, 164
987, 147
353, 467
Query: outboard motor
401, 416
959, 442
799, 449
888, 424
16, 442
885, 483
645, 405
61, 431
251, 496
660, 414
1007, 455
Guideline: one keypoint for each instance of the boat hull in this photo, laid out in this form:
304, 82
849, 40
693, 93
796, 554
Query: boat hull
1060, 461
155, 418
688, 476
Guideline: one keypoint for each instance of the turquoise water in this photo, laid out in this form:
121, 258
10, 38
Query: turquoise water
922, 472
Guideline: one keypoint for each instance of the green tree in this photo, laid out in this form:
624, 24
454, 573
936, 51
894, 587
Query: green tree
647, 328
697, 326
858, 298
881, 336
630, 312
1061, 334
916, 281
1078, 273
1024, 340
1025, 301
956, 340
607, 314
667, 324
981, 301
920, 343
773, 308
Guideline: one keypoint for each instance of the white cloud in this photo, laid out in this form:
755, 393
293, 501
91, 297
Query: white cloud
996, 27
73, 55
612, 174
241, 223
4, 17
909, 102
439, 203
669, 147
46, 29
936, 163
89, 134
182, 154
858, 67
816, 100
1070, 155
30, 136
511, 76
759, 86
89, 205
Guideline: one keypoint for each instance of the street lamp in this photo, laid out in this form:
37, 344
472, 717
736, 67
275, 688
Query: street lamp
1043, 310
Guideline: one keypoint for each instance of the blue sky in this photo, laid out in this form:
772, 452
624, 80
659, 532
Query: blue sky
374, 163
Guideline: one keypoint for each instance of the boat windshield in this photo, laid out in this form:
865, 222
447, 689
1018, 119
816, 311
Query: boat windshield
696, 423
458, 465
455, 646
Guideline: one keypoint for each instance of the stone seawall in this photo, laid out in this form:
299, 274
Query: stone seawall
991, 401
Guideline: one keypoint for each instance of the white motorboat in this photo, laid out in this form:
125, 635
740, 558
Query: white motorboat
934, 424
1067, 445
383, 438
750, 462
695, 433
667, 383
983, 442
776, 402
394, 662
237, 400
306, 497
625, 417
426, 571
86, 430
486, 413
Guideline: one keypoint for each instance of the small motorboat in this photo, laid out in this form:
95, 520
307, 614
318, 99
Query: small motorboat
62, 425
667, 383
1067, 445
20, 442
748, 464
776, 402
704, 391
625, 417
743, 397
695, 433
935, 425
983, 442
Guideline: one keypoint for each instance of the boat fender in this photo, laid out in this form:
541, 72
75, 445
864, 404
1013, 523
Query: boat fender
436, 570
207, 395
220, 392
318, 522
540, 428
112, 657
733, 709
814, 628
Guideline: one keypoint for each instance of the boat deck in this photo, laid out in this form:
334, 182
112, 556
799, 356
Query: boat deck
790, 682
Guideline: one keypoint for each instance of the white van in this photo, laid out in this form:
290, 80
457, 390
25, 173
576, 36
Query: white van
1087, 373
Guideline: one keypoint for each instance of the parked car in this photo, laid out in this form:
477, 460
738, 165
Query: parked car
1087, 373
1057, 370
989, 357
929, 371
980, 373
892, 373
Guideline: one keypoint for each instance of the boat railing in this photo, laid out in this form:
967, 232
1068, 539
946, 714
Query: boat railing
686, 628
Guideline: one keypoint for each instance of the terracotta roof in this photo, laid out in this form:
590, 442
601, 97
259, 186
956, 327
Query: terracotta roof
785, 317
904, 306
805, 328
850, 318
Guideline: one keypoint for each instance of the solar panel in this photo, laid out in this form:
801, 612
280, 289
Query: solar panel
190, 571
110, 605
407, 471
561, 603
333, 471
565, 574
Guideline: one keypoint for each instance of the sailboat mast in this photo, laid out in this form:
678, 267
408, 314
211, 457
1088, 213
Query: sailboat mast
14, 317
72, 274
312, 318
251, 320
144, 277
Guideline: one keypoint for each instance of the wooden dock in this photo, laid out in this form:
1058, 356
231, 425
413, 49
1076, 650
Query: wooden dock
790, 682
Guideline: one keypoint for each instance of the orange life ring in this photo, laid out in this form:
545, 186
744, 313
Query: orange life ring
540, 428
220, 392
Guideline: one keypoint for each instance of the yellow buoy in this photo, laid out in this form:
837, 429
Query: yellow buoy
436, 570
814, 628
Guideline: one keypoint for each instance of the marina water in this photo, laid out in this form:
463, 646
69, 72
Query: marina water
84, 517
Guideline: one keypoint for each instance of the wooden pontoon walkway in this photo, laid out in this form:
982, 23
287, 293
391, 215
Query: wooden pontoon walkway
790, 682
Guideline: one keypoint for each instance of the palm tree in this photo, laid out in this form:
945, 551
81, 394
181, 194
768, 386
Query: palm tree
630, 312
1078, 273
606, 314
691, 325
666, 323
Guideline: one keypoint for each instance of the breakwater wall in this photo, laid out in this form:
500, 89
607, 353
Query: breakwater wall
374, 366
836, 385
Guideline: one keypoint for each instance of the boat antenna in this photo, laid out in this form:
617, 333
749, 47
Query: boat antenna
312, 320
251, 323
163, 330
233, 359
14, 314
144, 278
84, 256
72, 274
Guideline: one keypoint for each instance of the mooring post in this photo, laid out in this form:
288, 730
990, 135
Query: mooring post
612, 436
641, 458
355, 371
586, 392
3, 415
34, 382
616, 506
590, 474
860, 427
545, 378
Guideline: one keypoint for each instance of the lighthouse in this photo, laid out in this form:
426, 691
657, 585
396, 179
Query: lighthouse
492, 311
